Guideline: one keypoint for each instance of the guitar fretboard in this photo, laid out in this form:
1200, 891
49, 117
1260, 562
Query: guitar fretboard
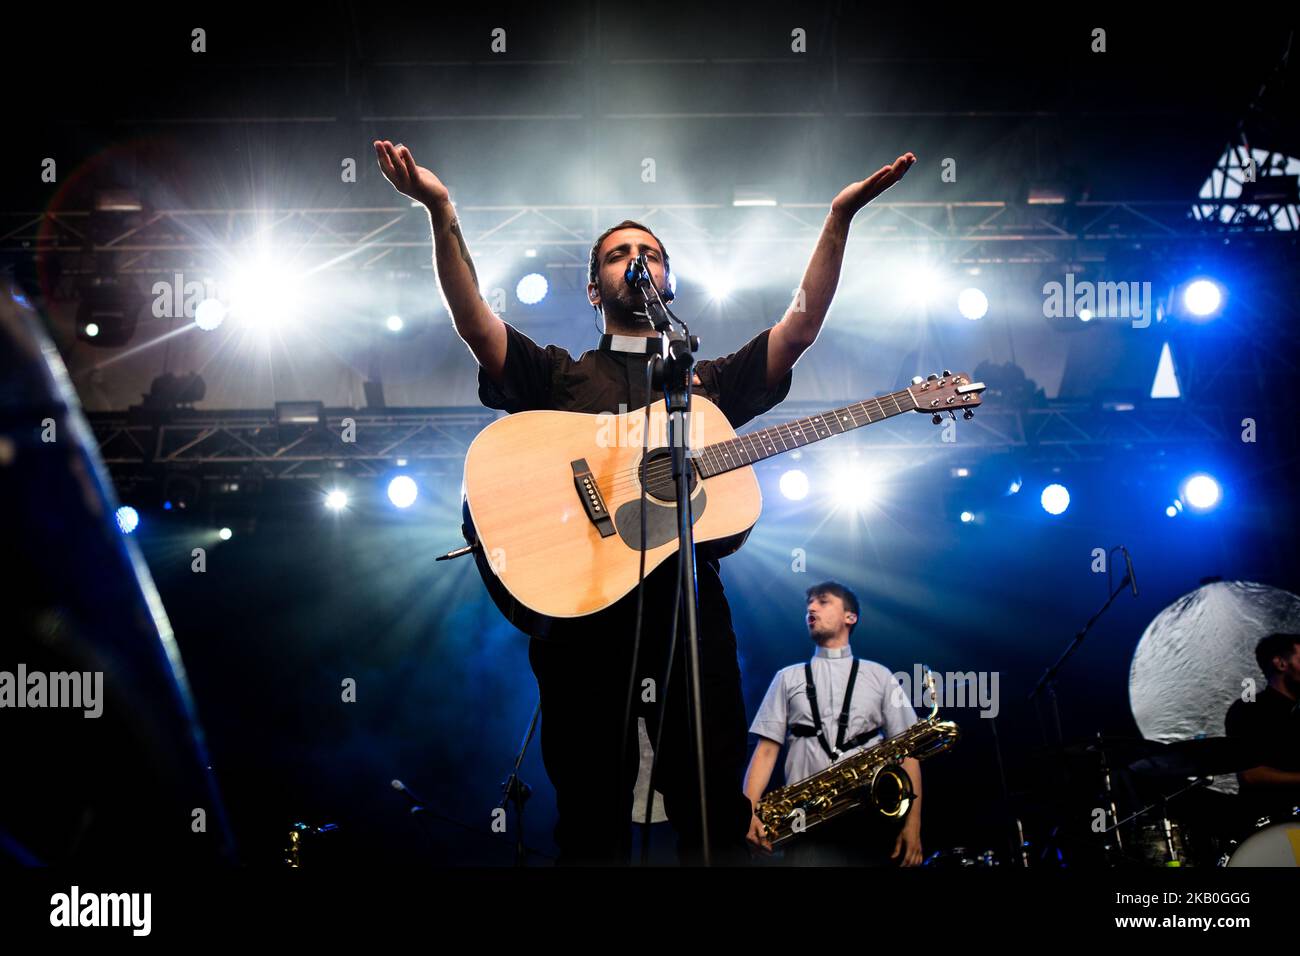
766, 442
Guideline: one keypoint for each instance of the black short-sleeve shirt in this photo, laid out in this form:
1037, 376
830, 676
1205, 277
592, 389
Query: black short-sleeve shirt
1271, 723
602, 380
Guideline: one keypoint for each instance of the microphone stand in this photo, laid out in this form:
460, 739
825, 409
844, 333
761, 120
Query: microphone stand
1047, 683
516, 792
673, 375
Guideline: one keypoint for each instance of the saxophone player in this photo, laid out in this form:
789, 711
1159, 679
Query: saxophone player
826, 709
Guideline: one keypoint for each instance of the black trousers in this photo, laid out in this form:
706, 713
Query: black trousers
583, 671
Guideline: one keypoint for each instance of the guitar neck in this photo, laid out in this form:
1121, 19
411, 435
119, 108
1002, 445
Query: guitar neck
766, 442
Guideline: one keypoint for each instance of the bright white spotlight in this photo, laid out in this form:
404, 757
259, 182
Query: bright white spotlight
718, 285
794, 484
1085, 315
973, 304
1201, 492
921, 284
128, 519
1171, 511
210, 314
225, 534
1202, 297
402, 491
531, 289
394, 323
1014, 487
92, 329
1055, 499
264, 297
336, 500
855, 487
967, 517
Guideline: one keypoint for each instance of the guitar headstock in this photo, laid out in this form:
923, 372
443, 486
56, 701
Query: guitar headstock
947, 392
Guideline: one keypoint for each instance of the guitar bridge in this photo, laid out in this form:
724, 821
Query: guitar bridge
592, 499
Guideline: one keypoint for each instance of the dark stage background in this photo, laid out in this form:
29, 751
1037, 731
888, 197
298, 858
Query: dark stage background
544, 147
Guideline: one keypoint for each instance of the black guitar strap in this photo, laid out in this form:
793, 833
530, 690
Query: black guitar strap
811, 690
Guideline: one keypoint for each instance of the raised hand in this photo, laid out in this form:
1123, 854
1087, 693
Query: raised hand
399, 168
856, 195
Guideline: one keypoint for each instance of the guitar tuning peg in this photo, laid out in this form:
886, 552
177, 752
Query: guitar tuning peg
946, 373
932, 377
936, 418
968, 414
917, 380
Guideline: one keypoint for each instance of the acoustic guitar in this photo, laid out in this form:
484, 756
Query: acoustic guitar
552, 500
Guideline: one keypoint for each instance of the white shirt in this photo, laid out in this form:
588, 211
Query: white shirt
878, 701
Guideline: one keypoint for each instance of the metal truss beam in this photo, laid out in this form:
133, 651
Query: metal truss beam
226, 444
160, 242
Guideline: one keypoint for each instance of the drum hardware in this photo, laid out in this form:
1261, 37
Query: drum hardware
1271, 842
960, 857
304, 836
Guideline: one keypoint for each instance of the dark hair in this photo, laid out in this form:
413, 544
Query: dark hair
1275, 645
592, 266
840, 591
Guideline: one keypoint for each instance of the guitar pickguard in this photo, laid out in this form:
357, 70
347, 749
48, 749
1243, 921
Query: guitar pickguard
661, 520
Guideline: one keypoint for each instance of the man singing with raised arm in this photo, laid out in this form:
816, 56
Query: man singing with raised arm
583, 666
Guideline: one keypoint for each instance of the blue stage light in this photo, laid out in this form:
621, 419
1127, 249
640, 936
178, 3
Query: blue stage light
1055, 499
1201, 492
128, 519
531, 288
402, 491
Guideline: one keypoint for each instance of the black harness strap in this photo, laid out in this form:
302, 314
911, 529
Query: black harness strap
811, 689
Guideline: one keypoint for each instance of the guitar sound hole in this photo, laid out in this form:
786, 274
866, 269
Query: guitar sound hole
657, 475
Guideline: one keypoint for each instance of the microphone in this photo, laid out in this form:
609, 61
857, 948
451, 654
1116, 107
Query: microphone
417, 805
1128, 563
638, 274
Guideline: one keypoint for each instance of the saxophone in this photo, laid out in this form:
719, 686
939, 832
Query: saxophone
874, 776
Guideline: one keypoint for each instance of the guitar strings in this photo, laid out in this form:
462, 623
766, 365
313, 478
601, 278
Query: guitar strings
625, 479
661, 470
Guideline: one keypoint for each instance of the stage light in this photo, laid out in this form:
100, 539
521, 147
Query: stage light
973, 304
107, 312
336, 500
128, 519
1171, 511
225, 534
718, 285
1085, 315
1201, 492
1202, 298
967, 517
1165, 384
854, 487
264, 297
794, 484
531, 288
921, 284
209, 314
961, 472
530, 253
394, 323
402, 491
1055, 499
1014, 487
170, 390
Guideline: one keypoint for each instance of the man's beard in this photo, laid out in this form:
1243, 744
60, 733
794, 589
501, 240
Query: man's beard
620, 306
